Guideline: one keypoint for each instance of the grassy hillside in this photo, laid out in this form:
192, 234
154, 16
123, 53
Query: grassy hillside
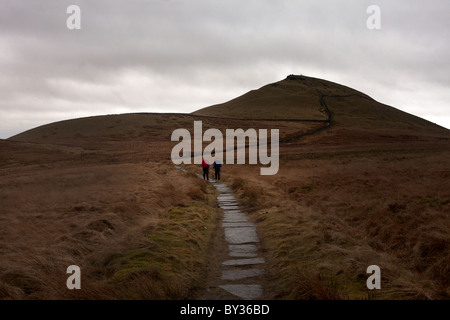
137, 230
101, 192
296, 97
305, 98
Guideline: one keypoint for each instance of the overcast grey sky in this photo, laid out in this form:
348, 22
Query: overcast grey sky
179, 55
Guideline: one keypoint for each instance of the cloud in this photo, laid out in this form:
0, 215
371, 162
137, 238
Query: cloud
178, 56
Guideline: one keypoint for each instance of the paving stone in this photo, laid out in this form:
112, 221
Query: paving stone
243, 262
234, 217
244, 291
231, 203
229, 209
237, 224
233, 211
241, 274
226, 200
225, 207
223, 188
226, 196
242, 250
234, 204
241, 235
225, 211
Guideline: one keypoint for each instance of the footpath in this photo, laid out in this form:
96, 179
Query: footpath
243, 267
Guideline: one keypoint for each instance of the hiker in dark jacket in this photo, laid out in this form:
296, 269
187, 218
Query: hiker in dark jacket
205, 166
217, 165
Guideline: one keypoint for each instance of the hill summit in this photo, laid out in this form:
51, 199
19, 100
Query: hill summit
296, 97
302, 98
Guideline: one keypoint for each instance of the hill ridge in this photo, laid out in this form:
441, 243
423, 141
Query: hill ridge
295, 99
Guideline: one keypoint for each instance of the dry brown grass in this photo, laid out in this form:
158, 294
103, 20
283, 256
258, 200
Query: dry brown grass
136, 230
328, 216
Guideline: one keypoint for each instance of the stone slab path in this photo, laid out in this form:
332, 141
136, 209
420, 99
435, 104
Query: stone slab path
241, 272
241, 236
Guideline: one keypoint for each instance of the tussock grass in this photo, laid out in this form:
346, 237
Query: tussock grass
137, 231
250, 195
322, 226
173, 264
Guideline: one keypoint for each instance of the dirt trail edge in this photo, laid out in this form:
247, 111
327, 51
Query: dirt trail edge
240, 271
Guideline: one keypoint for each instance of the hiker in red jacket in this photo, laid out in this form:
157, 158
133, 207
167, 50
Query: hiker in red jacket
205, 166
